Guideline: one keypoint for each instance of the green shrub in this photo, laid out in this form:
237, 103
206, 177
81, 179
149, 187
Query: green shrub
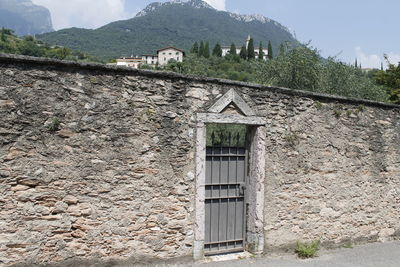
307, 250
54, 125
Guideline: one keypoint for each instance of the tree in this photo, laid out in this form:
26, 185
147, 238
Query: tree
232, 50
195, 48
201, 49
355, 63
243, 52
250, 50
217, 51
270, 52
206, 52
282, 49
391, 79
260, 52
3, 37
303, 68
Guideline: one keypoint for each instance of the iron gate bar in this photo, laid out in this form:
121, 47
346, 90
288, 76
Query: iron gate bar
224, 188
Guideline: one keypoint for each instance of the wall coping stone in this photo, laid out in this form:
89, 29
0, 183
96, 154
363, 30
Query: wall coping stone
11, 58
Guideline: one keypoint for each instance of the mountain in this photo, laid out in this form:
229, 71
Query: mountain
24, 17
175, 23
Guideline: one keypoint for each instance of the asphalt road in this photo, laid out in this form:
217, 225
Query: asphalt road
370, 255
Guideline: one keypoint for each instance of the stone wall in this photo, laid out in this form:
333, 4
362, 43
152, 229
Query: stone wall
99, 162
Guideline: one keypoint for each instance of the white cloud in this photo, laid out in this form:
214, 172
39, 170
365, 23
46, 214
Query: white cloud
84, 13
367, 61
217, 4
374, 61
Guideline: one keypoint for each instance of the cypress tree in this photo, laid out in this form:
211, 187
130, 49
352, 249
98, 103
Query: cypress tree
206, 52
270, 53
243, 52
232, 51
195, 48
282, 49
250, 50
201, 49
260, 52
217, 51
3, 35
355, 63
381, 66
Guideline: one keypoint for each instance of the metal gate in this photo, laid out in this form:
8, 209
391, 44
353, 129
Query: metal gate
226, 168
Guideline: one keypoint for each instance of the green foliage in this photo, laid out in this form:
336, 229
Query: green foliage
260, 52
243, 52
195, 48
226, 135
232, 50
270, 52
9, 43
54, 125
3, 36
307, 250
250, 50
217, 51
230, 67
337, 113
303, 68
201, 50
361, 108
297, 68
318, 105
206, 52
391, 79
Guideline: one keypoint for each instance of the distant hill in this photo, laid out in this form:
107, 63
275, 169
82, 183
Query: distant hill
174, 23
24, 17
29, 46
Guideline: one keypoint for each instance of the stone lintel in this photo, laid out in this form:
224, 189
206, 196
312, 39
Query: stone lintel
229, 119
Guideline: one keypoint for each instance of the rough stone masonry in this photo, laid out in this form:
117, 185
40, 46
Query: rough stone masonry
99, 162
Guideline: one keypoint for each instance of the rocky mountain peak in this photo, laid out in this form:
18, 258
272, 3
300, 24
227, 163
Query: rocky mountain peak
154, 6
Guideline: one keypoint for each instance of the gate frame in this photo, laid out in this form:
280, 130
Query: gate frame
254, 238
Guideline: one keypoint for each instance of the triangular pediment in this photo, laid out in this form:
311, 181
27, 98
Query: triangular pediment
232, 103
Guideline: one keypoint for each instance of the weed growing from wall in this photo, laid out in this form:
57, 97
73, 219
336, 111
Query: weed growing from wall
307, 250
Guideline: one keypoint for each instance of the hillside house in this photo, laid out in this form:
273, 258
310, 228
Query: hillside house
163, 56
133, 62
226, 49
169, 53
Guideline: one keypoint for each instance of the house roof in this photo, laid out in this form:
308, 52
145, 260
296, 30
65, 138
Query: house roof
170, 47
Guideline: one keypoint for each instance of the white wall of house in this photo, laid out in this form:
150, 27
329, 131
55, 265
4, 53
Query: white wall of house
150, 59
165, 55
130, 62
226, 49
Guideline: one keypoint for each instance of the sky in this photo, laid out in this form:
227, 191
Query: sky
347, 29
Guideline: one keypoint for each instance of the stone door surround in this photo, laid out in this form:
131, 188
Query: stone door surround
240, 113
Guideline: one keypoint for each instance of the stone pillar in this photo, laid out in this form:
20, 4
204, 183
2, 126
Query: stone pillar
199, 231
255, 220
